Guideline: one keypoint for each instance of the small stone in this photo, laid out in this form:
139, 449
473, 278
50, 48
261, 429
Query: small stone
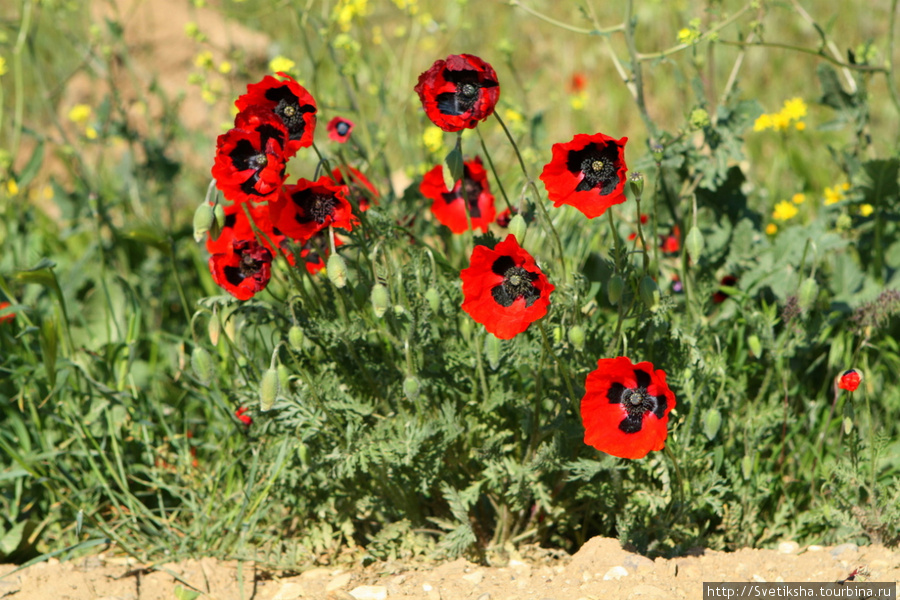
289, 591
759, 579
615, 573
838, 550
815, 548
518, 564
317, 573
338, 582
474, 577
426, 587
369, 592
484, 596
788, 547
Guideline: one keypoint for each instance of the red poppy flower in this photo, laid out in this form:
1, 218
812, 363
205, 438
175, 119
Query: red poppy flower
316, 250
671, 243
850, 380
721, 296
458, 92
242, 271
360, 188
238, 227
308, 207
587, 173
290, 101
243, 418
9, 317
577, 83
449, 207
505, 217
504, 289
339, 129
626, 408
250, 158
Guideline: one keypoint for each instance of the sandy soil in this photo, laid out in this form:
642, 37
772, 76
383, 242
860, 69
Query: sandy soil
600, 569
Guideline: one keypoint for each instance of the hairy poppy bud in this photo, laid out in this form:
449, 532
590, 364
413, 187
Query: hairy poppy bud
337, 270
218, 223
433, 299
649, 293
492, 350
381, 300
411, 388
747, 467
755, 345
712, 420
284, 377
203, 221
809, 291
517, 227
576, 336
694, 243
213, 328
268, 389
201, 363
615, 288
295, 338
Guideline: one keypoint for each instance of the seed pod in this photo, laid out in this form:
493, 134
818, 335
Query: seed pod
337, 270
201, 363
517, 227
303, 454
809, 291
411, 388
636, 184
576, 336
694, 243
557, 334
203, 221
755, 345
492, 350
747, 467
213, 327
268, 389
284, 377
295, 338
848, 425
433, 299
381, 300
649, 293
712, 420
465, 326
615, 288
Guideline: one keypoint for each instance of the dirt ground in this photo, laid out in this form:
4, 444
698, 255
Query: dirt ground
600, 569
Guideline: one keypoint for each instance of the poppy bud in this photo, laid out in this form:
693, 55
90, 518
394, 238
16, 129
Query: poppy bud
615, 288
848, 425
218, 223
295, 338
337, 270
636, 184
268, 389
465, 326
381, 300
712, 420
809, 291
850, 380
576, 336
203, 221
303, 454
649, 293
201, 363
492, 350
747, 467
517, 227
755, 345
694, 243
213, 328
284, 377
411, 388
557, 334
433, 299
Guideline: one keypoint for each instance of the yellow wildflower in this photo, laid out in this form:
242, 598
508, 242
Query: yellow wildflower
762, 122
281, 64
377, 36
204, 60
433, 138
833, 195
780, 121
578, 101
3, 69
798, 198
225, 67
799, 125
79, 113
512, 115
866, 209
12, 187
90, 133
845, 186
771, 229
794, 109
784, 210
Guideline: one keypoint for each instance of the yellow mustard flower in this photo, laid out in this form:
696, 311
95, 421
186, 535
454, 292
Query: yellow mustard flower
12, 188
578, 101
79, 113
433, 138
794, 109
780, 121
866, 209
762, 122
833, 195
784, 210
799, 125
771, 229
204, 60
90, 133
845, 186
281, 64
798, 198
225, 67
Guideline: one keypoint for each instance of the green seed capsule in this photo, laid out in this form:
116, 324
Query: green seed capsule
615, 288
433, 299
517, 227
295, 338
201, 363
576, 336
219, 223
337, 270
809, 291
411, 388
203, 220
284, 377
492, 350
848, 425
303, 454
268, 389
381, 300
712, 420
649, 293
747, 467
213, 328
694, 243
755, 345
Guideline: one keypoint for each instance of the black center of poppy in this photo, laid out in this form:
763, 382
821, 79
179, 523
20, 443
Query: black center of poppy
468, 87
599, 164
343, 128
313, 206
472, 190
517, 283
636, 401
252, 258
290, 110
